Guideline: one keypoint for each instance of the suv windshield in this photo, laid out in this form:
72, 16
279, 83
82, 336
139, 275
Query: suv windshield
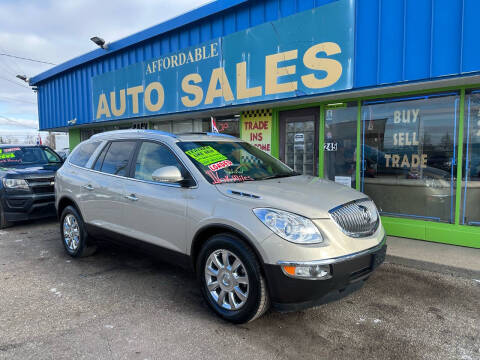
225, 162
27, 155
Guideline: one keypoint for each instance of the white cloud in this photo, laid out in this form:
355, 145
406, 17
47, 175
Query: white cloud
56, 31
18, 123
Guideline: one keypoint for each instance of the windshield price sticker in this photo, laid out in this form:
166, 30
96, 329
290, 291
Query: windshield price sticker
206, 155
10, 150
227, 179
220, 165
7, 156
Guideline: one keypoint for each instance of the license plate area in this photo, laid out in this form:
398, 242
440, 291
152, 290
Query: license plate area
379, 257
360, 267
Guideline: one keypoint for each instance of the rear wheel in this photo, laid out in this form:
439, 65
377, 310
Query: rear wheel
75, 238
3, 222
231, 279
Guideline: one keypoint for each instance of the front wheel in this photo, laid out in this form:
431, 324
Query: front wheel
231, 280
74, 236
3, 221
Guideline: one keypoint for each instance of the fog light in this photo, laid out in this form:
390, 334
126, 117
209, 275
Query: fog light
308, 272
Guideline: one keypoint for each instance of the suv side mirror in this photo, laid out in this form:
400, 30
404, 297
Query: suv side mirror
167, 174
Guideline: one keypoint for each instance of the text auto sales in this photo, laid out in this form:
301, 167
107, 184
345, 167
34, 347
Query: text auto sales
314, 58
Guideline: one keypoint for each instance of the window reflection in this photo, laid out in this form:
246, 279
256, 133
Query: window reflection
409, 156
470, 211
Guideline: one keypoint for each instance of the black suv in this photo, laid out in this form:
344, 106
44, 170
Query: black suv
27, 175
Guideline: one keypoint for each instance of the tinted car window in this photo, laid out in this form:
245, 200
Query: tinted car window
117, 158
151, 157
100, 158
51, 156
81, 155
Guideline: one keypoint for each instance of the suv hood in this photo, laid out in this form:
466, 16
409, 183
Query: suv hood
308, 196
33, 171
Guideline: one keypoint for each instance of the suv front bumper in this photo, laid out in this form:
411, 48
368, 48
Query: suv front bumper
348, 274
27, 206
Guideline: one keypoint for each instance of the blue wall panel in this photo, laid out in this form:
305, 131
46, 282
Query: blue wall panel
470, 43
243, 18
366, 42
257, 13
390, 57
418, 22
305, 4
271, 10
229, 24
447, 35
287, 7
395, 41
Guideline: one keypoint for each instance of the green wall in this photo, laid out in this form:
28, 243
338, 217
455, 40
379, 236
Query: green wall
74, 137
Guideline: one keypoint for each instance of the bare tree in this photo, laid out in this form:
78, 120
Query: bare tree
50, 140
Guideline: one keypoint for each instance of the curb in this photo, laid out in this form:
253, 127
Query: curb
429, 266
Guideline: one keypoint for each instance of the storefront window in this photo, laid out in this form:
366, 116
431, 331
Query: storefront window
409, 155
229, 125
340, 144
470, 209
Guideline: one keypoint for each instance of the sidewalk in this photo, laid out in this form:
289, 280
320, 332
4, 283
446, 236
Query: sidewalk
425, 255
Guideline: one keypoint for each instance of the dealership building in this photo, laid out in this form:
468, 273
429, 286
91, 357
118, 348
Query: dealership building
382, 96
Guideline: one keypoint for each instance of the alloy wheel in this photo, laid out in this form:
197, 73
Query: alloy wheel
226, 279
71, 232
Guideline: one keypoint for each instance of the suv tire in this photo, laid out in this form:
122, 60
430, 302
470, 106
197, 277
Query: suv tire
3, 222
74, 236
224, 286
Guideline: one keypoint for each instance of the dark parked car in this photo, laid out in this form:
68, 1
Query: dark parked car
27, 176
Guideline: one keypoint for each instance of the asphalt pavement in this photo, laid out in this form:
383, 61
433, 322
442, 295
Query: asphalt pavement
119, 304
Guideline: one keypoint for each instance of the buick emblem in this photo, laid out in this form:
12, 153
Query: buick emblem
365, 213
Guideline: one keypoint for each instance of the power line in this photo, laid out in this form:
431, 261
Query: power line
12, 61
7, 67
17, 122
18, 100
28, 59
14, 82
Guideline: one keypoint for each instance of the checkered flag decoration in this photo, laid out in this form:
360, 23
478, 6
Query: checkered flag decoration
257, 113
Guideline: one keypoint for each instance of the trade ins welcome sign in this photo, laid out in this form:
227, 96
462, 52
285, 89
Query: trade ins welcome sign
303, 54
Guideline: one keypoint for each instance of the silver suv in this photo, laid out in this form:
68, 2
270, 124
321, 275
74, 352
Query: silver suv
255, 232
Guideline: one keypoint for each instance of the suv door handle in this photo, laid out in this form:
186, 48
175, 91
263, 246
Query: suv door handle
131, 197
88, 187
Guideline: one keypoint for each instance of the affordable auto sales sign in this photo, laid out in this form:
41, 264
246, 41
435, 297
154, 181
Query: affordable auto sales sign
303, 54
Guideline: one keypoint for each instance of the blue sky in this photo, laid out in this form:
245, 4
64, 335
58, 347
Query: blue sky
56, 31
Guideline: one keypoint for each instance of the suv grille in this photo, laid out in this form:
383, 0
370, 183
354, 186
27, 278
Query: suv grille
357, 219
42, 185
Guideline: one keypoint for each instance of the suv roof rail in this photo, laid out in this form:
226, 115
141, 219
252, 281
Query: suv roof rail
130, 131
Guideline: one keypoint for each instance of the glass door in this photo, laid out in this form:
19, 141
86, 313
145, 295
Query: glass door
299, 140
340, 144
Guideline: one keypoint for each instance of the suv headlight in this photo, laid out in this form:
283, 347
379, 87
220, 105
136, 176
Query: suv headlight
291, 227
17, 184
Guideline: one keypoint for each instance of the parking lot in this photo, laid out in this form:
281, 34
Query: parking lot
123, 305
